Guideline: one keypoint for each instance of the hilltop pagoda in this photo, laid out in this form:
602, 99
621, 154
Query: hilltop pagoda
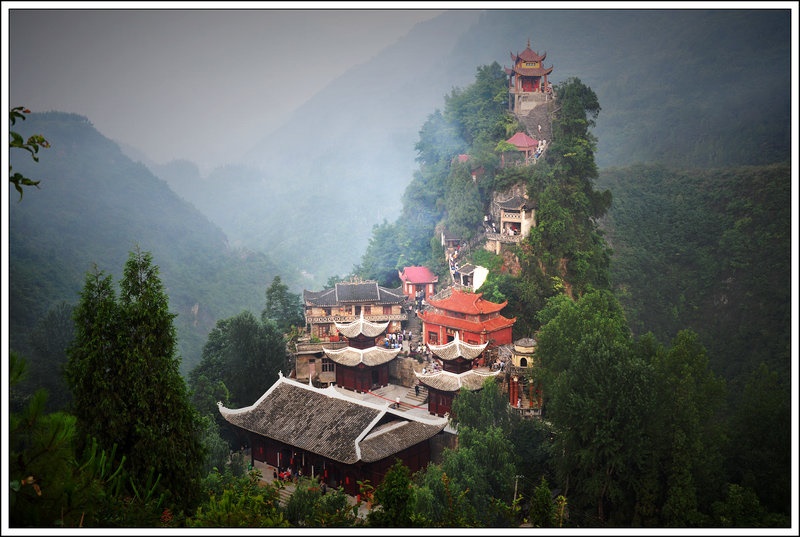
527, 80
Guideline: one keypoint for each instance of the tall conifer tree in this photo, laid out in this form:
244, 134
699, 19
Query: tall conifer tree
124, 374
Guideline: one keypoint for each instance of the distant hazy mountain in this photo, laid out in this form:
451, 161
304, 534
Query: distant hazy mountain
686, 87
93, 207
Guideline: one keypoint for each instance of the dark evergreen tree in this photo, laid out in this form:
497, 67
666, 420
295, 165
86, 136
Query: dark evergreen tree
242, 353
542, 511
126, 383
49, 340
282, 307
597, 403
567, 237
760, 441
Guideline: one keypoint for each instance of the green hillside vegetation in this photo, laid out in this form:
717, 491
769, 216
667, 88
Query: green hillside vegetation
708, 249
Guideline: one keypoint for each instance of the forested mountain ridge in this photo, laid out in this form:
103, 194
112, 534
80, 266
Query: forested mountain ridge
93, 206
707, 249
667, 81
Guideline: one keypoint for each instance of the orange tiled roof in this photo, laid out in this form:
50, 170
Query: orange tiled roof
491, 325
523, 141
469, 303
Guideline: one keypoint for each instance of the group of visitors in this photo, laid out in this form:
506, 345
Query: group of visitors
499, 365
394, 340
433, 367
539, 150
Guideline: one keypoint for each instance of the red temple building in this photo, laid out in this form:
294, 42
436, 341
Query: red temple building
418, 282
467, 316
457, 372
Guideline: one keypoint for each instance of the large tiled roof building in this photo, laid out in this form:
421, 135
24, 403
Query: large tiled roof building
325, 433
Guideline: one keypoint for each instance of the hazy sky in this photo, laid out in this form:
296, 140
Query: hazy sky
201, 84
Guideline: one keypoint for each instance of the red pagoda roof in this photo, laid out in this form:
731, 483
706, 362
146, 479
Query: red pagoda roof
528, 55
469, 303
490, 325
418, 275
523, 141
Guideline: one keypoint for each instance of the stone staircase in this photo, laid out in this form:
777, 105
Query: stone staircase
540, 115
419, 400
284, 493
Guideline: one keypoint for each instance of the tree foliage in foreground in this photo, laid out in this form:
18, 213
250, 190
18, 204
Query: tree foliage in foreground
242, 357
238, 502
585, 347
31, 145
125, 379
54, 485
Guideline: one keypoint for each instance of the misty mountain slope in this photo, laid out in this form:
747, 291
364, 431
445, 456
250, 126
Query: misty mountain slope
667, 81
93, 207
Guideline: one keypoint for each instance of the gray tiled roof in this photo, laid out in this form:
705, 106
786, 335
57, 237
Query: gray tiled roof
362, 326
452, 382
354, 293
325, 422
525, 346
357, 292
466, 269
394, 437
371, 356
457, 348
515, 203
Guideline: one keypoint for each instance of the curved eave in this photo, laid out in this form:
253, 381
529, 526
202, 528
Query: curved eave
541, 71
351, 357
458, 349
362, 326
451, 382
